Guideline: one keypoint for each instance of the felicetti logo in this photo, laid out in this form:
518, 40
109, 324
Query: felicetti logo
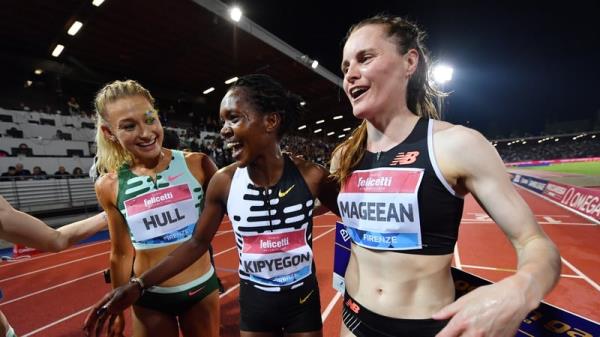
374, 182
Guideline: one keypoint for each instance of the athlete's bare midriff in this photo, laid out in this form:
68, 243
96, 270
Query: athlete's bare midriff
147, 258
399, 285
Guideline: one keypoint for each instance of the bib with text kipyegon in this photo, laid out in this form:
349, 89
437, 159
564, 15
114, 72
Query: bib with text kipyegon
276, 259
380, 208
161, 212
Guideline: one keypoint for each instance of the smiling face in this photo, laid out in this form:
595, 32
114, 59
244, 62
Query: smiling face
375, 73
246, 131
134, 124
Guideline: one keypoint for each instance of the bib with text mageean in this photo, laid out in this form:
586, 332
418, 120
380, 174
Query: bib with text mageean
276, 259
160, 213
380, 208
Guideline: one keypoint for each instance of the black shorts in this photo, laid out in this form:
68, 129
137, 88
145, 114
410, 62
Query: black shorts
291, 311
365, 323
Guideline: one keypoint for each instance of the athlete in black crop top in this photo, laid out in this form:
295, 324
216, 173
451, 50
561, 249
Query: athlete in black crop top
401, 201
269, 198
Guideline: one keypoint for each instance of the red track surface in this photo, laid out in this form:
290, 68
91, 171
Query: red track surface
48, 295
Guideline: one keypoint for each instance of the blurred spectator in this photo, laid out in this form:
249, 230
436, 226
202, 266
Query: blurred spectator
23, 149
39, 174
78, 173
10, 174
21, 172
74, 109
61, 172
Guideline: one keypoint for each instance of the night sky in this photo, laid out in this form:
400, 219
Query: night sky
517, 65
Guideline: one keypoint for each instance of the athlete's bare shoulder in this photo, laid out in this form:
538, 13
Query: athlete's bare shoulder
106, 187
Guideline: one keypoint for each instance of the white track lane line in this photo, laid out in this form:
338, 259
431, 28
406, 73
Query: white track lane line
50, 288
52, 254
86, 309
330, 306
583, 276
58, 322
52, 267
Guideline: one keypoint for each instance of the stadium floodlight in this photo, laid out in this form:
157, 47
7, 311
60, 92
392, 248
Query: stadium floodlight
330, 133
346, 129
209, 90
302, 103
231, 80
28, 84
593, 136
314, 64
75, 27
38, 71
342, 136
338, 117
556, 140
57, 50
302, 127
320, 121
524, 142
235, 13
442, 73
97, 3
317, 130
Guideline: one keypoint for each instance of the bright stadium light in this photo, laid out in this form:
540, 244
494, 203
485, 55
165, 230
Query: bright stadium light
317, 130
338, 117
593, 136
97, 3
231, 80
442, 73
38, 71
235, 13
320, 121
302, 127
302, 103
57, 50
342, 136
314, 64
209, 90
346, 129
75, 27
330, 133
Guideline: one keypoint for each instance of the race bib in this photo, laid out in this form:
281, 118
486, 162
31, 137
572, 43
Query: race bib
157, 213
380, 208
276, 259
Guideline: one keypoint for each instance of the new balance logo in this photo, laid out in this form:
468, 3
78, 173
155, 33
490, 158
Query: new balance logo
405, 158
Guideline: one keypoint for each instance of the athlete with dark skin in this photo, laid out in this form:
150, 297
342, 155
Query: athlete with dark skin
253, 132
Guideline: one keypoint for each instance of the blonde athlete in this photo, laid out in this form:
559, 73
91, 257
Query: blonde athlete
153, 197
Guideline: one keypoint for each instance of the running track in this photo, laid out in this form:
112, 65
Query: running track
49, 294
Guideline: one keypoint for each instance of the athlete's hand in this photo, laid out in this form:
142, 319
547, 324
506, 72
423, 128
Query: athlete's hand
110, 309
494, 310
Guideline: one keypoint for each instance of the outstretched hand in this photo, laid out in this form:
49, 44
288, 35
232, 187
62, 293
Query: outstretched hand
110, 309
492, 311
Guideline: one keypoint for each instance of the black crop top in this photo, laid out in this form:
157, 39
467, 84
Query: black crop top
398, 200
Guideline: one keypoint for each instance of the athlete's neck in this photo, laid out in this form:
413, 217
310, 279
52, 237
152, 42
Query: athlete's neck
387, 133
266, 170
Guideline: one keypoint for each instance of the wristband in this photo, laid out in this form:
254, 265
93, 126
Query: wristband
139, 283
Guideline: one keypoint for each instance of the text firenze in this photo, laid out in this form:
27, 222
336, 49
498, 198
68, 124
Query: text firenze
152, 200
375, 182
163, 219
377, 211
275, 264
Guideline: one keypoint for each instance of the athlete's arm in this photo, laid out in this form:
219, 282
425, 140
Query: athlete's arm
121, 254
19, 227
321, 185
496, 310
187, 253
